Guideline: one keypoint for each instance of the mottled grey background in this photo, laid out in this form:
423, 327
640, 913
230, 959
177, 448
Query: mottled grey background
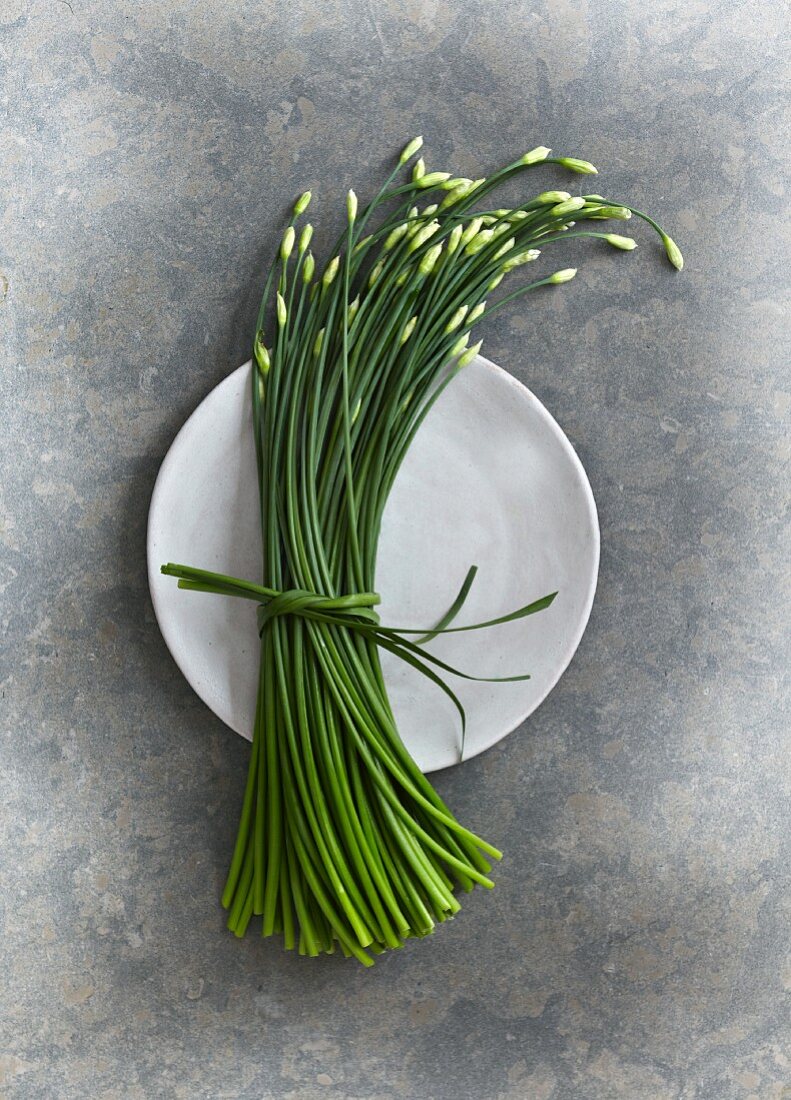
634, 946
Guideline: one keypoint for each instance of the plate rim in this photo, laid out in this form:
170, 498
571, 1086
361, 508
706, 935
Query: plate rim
487, 743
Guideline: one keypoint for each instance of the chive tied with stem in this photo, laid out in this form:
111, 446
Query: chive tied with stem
342, 842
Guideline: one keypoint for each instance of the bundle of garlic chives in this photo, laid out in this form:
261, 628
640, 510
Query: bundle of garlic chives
342, 840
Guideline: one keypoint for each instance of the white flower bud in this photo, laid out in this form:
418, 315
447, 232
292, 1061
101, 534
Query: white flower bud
673, 252
426, 265
287, 243
566, 207
351, 205
376, 271
476, 312
552, 196
331, 271
418, 170
501, 251
472, 228
521, 258
410, 149
469, 354
261, 354
584, 167
535, 156
456, 319
457, 181
395, 235
353, 307
624, 243
460, 345
454, 239
302, 203
493, 285
563, 276
423, 234
409, 328
282, 312
318, 343
479, 241
433, 179
454, 196
308, 267
305, 237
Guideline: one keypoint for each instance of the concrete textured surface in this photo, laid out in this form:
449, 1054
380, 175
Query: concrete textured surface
635, 945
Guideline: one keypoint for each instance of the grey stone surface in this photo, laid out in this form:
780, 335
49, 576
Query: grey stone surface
634, 945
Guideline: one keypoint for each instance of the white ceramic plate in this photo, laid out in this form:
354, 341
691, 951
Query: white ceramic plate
490, 480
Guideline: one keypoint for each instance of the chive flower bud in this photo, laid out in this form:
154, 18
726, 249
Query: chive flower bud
412, 212
362, 243
454, 239
287, 243
673, 252
469, 354
429, 210
518, 215
376, 271
308, 267
433, 179
593, 198
422, 235
566, 207
460, 345
472, 228
318, 343
305, 237
574, 164
479, 241
535, 156
282, 312
353, 307
501, 251
617, 241
457, 181
395, 235
418, 170
476, 312
502, 213
563, 276
302, 203
426, 265
409, 328
410, 149
521, 258
454, 196
356, 410
456, 319
351, 205
488, 219
604, 212
552, 196
493, 285
261, 353
331, 271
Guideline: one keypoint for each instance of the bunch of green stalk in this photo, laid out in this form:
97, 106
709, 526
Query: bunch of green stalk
342, 840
